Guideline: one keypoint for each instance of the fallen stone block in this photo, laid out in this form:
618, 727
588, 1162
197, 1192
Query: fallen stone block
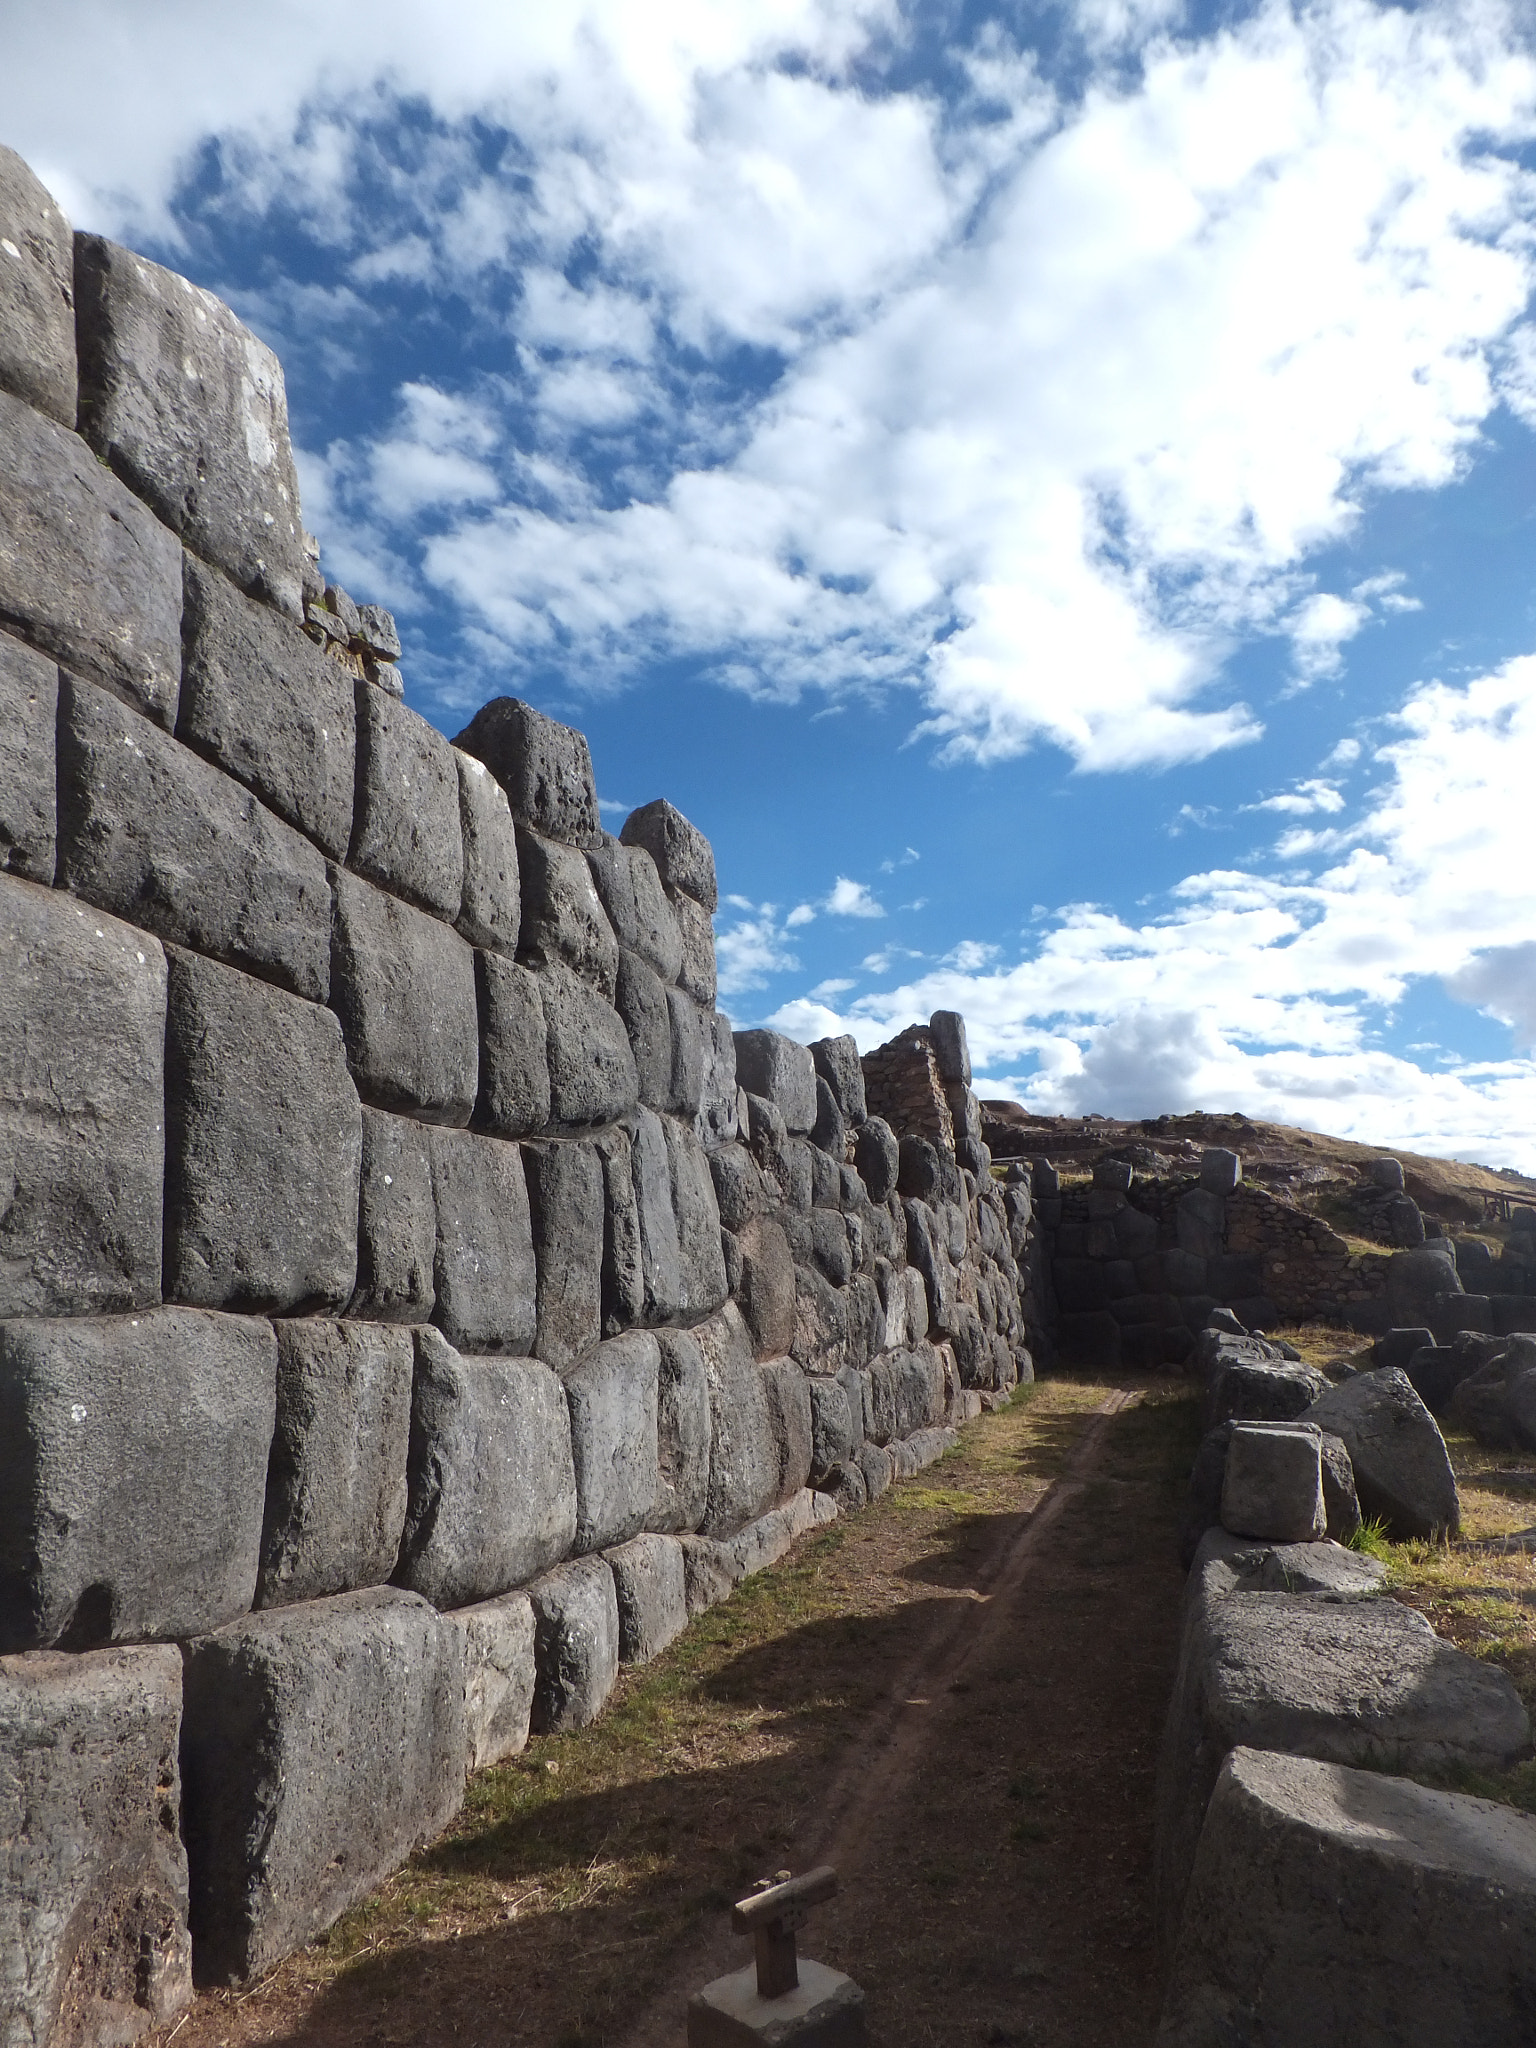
636, 905
544, 767
37, 295
403, 986
406, 833
1240, 1391
498, 1676
397, 1223
743, 1454
93, 1876
576, 1644
592, 1078
1273, 1485
1336, 1905
339, 1722
82, 1093
613, 1404
650, 1586
490, 909
1402, 1471
1235, 1564
684, 858
1497, 1400
336, 1478
781, 1072
29, 706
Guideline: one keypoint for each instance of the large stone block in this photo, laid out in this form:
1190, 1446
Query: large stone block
788, 1398
133, 1467
29, 706
682, 1434
717, 1118
660, 1254
743, 1455
263, 1147
641, 1000
484, 1272
490, 911
820, 1341
834, 1437
697, 972
1273, 1485
397, 1223
1337, 1905
683, 856
498, 1676
689, 1031
82, 1083
151, 832
565, 1200
837, 1063
613, 1402
1402, 1470
650, 1585
37, 294
544, 767
877, 1157
576, 1644
403, 985
767, 1291
1245, 1390
1201, 1219
592, 1077
701, 1259
338, 1724
189, 409
514, 1047
563, 918
336, 1478
86, 573
636, 905
1417, 1279
263, 703
781, 1072
94, 1946
492, 1485
406, 833
623, 1252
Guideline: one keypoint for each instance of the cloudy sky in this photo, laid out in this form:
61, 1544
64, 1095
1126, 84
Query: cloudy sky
1048, 488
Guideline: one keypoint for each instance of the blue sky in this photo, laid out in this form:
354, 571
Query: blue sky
1048, 489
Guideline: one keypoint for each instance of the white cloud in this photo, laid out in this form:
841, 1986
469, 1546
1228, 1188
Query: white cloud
753, 948
1304, 799
1502, 981
1319, 628
824, 991
851, 899
802, 913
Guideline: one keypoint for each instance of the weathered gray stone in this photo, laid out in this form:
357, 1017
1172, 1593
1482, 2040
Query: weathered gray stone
683, 856
790, 1421
767, 1292
741, 1192
29, 705
514, 1047
576, 1644
37, 294
862, 1318
1244, 1390
565, 1200
1386, 1174
189, 409
1496, 1401
1220, 1171
339, 1722
636, 905
93, 1876
160, 838
1273, 1487
833, 1435
701, 1261
592, 1078
1331, 1904
263, 1147
397, 1223
86, 572
563, 918
845, 1487
403, 985
921, 1177
685, 1093
743, 1457
1402, 1471
545, 768
484, 1272
820, 1341
641, 1001
613, 1403
490, 909
697, 972
336, 1477
650, 1585
492, 1484
1226, 1564
826, 1238
1201, 1222
406, 834
929, 1255
829, 1133
682, 1435
1341, 1502
660, 1253
133, 1467
623, 1285
1417, 1279
946, 1032
877, 1468
878, 1157
717, 1122
82, 1077
263, 703
498, 1676
837, 1063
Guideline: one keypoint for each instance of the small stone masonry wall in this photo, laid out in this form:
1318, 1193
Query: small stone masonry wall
414, 1300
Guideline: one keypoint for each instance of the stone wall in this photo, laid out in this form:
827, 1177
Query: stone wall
415, 1300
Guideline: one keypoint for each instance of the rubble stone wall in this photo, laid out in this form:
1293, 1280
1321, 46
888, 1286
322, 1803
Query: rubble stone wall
415, 1300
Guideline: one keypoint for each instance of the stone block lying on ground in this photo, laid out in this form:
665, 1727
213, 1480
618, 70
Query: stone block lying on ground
650, 1585
337, 1723
1417, 1279
1243, 1391
781, 1072
82, 1092
1273, 1484
544, 767
1402, 1471
133, 1463
1341, 1507
37, 295
613, 1402
498, 1676
576, 1644
93, 1876
29, 708
406, 833
403, 985
1336, 1905
1226, 1564
1497, 1400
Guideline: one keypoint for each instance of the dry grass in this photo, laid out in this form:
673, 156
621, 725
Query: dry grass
1325, 1345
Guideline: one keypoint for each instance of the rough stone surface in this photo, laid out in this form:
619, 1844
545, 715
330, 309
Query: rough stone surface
1417, 1279
490, 909
613, 1404
484, 1272
576, 1644
636, 905
94, 1946
82, 1077
563, 919
498, 1676
406, 833
262, 702
397, 1223
718, 1119
1402, 1471
833, 1435
133, 1467
492, 1484
641, 1000
544, 767
650, 1586
1235, 1564
876, 1466
946, 1031
37, 294
767, 1288
697, 972
152, 833
837, 1063
623, 1278
29, 703
682, 1434
189, 409
403, 985
701, 1261
1273, 1487
1221, 1172
1241, 1390
685, 1089
781, 1072
339, 1722
86, 572
743, 1455
263, 1147
790, 1421
514, 1047
877, 1157
1435, 1947
683, 856
336, 1482
592, 1078
656, 1219
565, 1200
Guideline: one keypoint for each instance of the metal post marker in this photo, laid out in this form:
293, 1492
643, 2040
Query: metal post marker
783, 2000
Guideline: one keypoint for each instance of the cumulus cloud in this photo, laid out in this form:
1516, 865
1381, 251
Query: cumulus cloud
852, 899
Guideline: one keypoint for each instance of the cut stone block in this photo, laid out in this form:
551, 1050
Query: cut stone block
514, 1047
613, 1398
1402, 1469
403, 985
683, 856
492, 1486
406, 834
592, 1077
188, 408
877, 1466
1273, 1488
86, 572
717, 1122
877, 1157
837, 1063
484, 1273
767, 1290
262, 702
682, 1434
565, 1200
37, 294
29, 704
397, 1223
259, 1101
133, 1468
697, 973
336, 1483
821, 1323
651, 1589
701, 1259
1243, 1391
685, 1090
82, 1089
782, 1072
1232, 1564
743, 1456
563, 917
498, 1676
825, 2010
1331, 1904
640, 997
93, 1877
152, 833
544, 767
1220, 1171
339, 1724
623, 1255
576, 1644
636, 905
490, 910
790, 1423
660, 1256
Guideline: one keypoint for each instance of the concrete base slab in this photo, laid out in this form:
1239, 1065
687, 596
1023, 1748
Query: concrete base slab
825, 2010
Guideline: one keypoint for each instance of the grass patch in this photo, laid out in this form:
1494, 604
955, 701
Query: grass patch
1325, 1345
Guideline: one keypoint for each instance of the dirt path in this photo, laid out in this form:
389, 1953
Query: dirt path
954, 1697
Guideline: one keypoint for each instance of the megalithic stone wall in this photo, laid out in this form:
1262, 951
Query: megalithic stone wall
414, 1300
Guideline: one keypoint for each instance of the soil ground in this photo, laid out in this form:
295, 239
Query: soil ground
955, 1696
